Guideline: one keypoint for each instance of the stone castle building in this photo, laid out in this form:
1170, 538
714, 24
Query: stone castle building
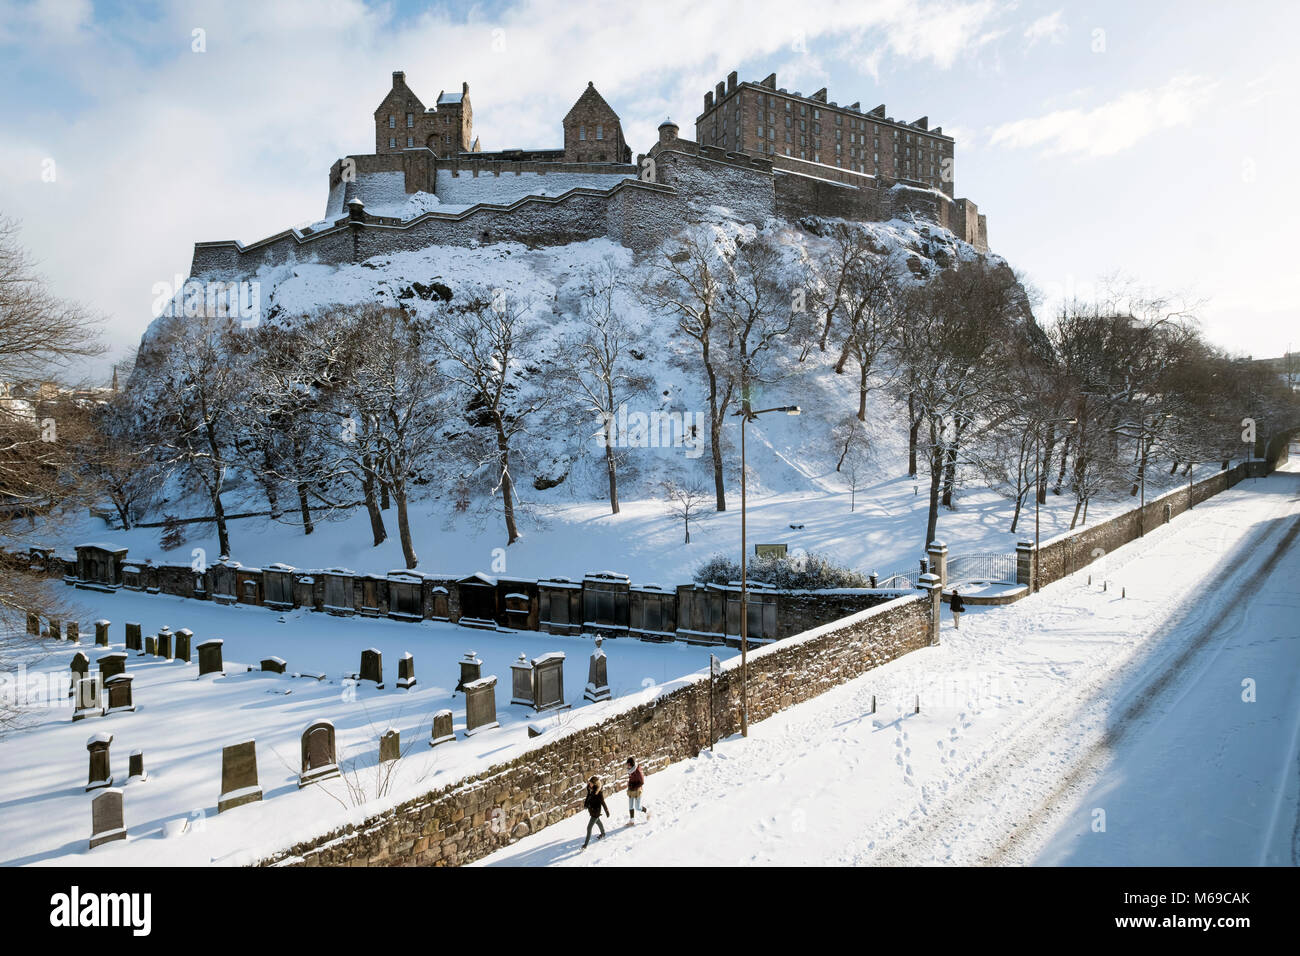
758, 152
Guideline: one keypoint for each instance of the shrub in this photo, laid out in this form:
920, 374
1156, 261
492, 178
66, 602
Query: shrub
805, 571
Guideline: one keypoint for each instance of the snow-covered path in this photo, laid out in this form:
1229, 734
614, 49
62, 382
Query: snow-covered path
1127, 700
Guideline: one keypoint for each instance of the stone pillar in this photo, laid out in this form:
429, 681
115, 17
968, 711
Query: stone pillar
471, 669
163, 645
521, 681
937, 552
101, 632
1025, 563
112, 664
73, 631
406, 671
930, 583
101, 774
442, 732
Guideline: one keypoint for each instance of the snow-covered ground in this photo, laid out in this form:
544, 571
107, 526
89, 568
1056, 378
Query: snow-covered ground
1129, 699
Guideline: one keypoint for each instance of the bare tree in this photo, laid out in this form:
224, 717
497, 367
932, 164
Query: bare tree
685, 501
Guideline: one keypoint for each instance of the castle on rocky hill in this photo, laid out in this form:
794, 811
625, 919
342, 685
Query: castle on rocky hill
758, 151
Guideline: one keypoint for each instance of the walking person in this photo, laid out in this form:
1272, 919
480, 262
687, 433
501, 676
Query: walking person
594, 802
958, 607
635, 783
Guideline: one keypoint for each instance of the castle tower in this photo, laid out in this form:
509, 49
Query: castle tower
593, 133
403, 122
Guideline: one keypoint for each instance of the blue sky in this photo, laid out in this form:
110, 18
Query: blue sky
1150, 140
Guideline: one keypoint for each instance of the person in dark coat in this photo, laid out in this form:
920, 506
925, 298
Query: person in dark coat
635, 782
958, 607
594, 802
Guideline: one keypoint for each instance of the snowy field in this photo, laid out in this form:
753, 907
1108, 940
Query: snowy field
1033, 718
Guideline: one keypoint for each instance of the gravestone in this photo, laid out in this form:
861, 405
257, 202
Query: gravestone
318, 758
521, 681
101, 632
119, 694
406, 671
33, 624
164, 644
372, 667
184, 640
442, 732
471, 669
111, 664
238, 776
101, 774
106, 823
548, 682
54, 629
73, 631
274, 665
390, 745
136, 772
597, 676
481, 705
210, 656
89, 699
151, 645
80, 668
133, 636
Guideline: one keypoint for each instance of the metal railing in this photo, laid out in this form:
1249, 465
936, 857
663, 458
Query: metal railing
997, 568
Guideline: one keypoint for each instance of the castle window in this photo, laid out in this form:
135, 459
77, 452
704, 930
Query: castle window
787, 106
392, 121
392, 143
410, 120
817, 114
582, 132
410, 141
600, 131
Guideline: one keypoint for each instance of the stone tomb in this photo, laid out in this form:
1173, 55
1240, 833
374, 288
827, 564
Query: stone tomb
406, 671
120, 699
480, 705
101, 632
597, 676
442, 732
471, 669
274, 665
390, 745
111, 664
521, 681
372, 667
184, 641
548, 682
133, 636
101, 773
210, 656
319, 761
238, 776
106, 821
80, 667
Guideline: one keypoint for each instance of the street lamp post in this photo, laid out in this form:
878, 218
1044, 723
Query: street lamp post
747, 414
1038, 480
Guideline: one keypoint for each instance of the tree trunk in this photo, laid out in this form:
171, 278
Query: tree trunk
862, 393
611, 466
1142, 470
507, 485
383, 496
305, 509
1060, 475
936, 479
1045, 467
1078, 503
404, 525
950, 468
1015, 516
219, 513
377, 529
715, 437
912, 433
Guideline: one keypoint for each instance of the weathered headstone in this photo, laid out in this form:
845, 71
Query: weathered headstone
73, 631
111, 664
406, 671
548, 682
151, 645
481, 705
54, 629
597, 676
471, 669
390, 745
442, 732
89, 697
238, 776
210, 656
274, 665
101, 632
136, 772
372, 667
319, 761
101, 773
80, 667
521, 681
133, 636
164, 644
106, 822
33, 624
184, 640
120, 699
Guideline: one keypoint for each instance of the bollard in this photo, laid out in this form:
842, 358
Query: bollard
873, 703
918, 704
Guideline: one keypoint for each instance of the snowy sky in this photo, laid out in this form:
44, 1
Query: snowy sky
1151, 139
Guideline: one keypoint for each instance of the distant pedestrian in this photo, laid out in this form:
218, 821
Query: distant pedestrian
635, 783
595, 803
958, 607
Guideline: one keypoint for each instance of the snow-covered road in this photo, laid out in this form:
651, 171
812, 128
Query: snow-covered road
1156, 721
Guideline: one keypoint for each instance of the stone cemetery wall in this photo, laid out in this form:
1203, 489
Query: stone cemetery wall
469, 819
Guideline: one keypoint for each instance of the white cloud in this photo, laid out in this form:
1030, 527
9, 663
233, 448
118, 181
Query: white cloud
1051, 28
1112, 127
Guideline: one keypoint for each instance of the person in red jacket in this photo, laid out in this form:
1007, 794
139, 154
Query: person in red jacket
635, 782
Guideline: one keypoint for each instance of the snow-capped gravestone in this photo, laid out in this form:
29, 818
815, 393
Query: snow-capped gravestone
597, 676
33, 624
390, 745
120, 699
106, 821
238, 776
133, 636
319, 761
210, 656
372, 667
471, 669
101, 773
274, 665
548, 682
164, 644
151, 645
184, 641
111, 664
442, 732
135, 770
54, 629
481, 705
101, 632
89, 698
521, 681
80, 667
406, 671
